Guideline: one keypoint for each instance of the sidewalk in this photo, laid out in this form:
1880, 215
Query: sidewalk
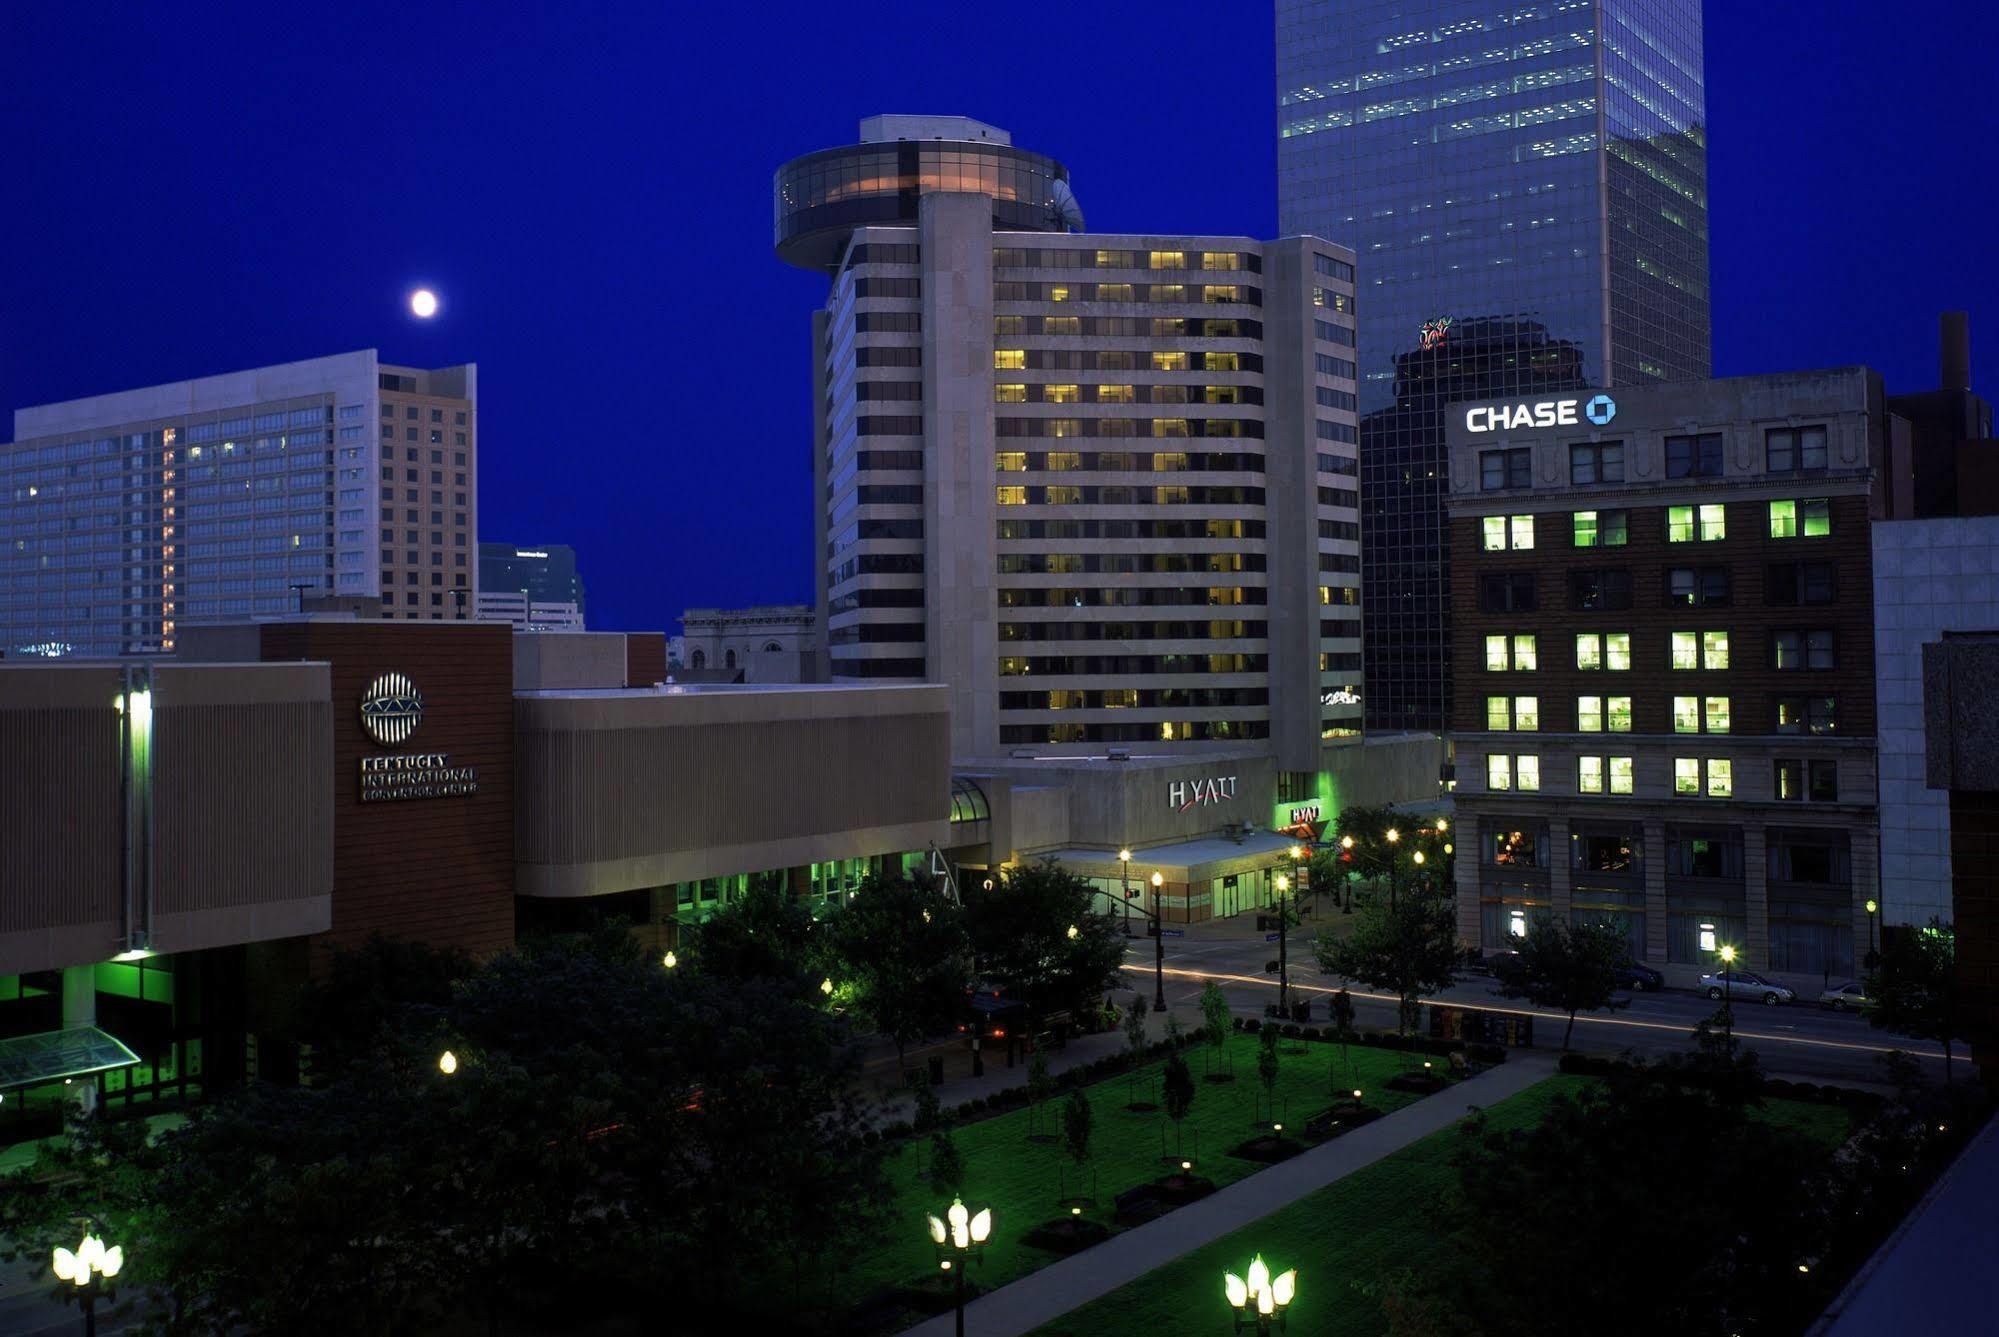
1060, 1287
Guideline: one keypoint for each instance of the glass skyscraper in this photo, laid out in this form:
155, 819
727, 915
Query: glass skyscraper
1525, 190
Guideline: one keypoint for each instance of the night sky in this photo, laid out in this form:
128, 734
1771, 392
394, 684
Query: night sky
193, 189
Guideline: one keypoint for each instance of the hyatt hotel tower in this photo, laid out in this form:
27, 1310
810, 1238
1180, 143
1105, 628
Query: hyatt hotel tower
1100, 486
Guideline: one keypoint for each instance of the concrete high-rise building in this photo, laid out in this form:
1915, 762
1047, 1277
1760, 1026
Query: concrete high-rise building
238, 495
1101, 486
1525, 189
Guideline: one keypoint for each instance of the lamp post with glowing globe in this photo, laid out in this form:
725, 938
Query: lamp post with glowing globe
960, 1237
1158, 945
87, 1269
1259, 1300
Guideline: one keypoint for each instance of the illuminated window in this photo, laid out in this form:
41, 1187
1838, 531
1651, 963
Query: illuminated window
1506, 713
1503, 653
1603, 650
1783, 519
1520, 529
1009, 394
1221, 292
1058, 292
1167, 292
1221, 394
1717, 714
1065, 427
1720, 777
1169, 427
1523, 652
1220, 260
1601, 529
1686, 714
1498, 771
1495, 532
1679, 524
1170, 361
1686, 775
1062, 394
1498, 714
1527, 713
1496, 660
1218, 361
1618, 712
1061, 461
1589, 775
1012, 495
1714, 649
1063, 496
1527, 772
1167, 259
1010, 461
1686, 650
1169, 461
1620, 775
1116, 394
1714, 524
1170, 496
1589, 714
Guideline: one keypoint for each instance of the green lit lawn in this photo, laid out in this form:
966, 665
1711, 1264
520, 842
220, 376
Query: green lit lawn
1020, 1180
1357, 1231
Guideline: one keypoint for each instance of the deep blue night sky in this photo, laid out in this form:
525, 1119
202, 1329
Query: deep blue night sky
197, 189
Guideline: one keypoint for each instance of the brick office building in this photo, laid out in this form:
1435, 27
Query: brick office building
1665, 714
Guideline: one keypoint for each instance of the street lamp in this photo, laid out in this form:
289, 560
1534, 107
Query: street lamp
447, 1063
959, 1238
1259, 1299
1158, 945
1727, 955
1283, 884
1873, 909
670, 960
1124, 878
88, 1269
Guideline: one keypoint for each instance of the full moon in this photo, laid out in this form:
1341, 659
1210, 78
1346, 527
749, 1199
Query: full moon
424, 303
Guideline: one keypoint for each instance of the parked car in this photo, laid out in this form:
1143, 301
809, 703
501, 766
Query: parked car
1843, 996
1634, 975
1745, 984
1504, 965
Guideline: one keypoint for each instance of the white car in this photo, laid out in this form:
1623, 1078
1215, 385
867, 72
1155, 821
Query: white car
1843, 996
1745, 984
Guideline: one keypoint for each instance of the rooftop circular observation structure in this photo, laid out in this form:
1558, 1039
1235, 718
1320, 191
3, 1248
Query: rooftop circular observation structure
819, 199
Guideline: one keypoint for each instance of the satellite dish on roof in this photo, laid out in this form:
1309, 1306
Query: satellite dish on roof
1067, 212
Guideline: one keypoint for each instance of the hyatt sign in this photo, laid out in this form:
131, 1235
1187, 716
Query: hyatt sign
1540, 413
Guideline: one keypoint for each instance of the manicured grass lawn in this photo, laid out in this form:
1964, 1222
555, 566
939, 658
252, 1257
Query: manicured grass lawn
1021, 1180
1348, 1238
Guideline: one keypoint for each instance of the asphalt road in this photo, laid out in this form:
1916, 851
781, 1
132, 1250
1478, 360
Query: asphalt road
1799, 1041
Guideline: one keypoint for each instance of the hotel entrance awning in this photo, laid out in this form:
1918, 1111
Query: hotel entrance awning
31, 1060
1184, 861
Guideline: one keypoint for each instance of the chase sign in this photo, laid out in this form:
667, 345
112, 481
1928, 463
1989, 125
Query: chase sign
1533, 413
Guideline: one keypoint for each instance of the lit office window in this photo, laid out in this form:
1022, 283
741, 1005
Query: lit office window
1620, 775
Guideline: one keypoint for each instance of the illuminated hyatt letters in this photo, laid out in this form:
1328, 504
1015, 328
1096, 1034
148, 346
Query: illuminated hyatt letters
1540, 413
1184, 794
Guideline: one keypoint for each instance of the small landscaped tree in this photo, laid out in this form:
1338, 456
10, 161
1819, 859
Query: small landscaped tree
1569, 967
1407, 946
1037, 937
1134, 1040
1076, 1120
1342, 1006
1216, 1019
1914, 989
1040, 1086
1172, 1031
1266, 1068
947, 1164
1177, 1093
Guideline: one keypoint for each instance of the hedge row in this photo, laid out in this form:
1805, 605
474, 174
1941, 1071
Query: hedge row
1591, 1065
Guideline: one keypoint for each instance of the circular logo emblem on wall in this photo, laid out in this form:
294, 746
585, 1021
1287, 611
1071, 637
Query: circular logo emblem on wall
1600, 410
391, 708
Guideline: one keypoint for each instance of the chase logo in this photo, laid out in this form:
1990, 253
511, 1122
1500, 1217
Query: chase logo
1600, 410
391, 709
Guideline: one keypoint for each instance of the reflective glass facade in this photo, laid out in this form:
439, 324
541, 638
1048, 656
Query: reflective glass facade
1525, 190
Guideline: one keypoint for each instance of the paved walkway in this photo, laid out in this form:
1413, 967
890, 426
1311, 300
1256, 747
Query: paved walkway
1055, 1290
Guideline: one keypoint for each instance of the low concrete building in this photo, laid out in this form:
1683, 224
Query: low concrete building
774, 643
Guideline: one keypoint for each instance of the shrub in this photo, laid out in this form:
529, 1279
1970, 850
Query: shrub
1291, 1030
1250, 1026
1310, 1032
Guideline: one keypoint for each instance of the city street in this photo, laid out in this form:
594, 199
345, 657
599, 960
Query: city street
1799, 1041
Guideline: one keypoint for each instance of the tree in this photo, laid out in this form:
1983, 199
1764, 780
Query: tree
1914, 988
1569, 967
1177, 1093
1407, 946
1134, 1040
1036, 937
1040, 1086
1076, 1121
1266, 1066
947, 1164
900, 951
764, 934
1216, 1019
345, 1014
1712, 1251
